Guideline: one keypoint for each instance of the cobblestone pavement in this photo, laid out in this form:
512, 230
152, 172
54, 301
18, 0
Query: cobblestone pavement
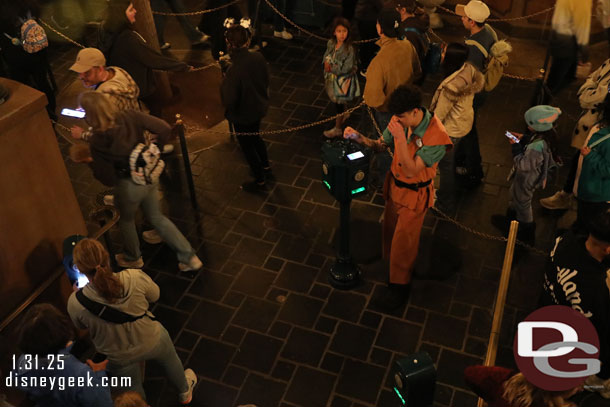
260, 323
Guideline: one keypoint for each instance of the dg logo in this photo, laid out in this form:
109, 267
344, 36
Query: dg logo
556, 348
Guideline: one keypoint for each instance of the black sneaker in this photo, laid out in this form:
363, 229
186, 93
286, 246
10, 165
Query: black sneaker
395, 296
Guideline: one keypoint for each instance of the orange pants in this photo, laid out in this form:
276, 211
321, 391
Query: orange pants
401, 231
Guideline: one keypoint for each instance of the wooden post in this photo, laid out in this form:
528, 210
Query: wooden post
496, 325
145, 25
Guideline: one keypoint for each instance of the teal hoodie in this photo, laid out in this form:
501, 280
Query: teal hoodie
593, 173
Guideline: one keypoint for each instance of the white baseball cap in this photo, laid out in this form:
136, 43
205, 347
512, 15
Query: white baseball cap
475, 10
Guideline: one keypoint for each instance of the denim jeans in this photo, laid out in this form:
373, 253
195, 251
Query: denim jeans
128, 198
175, 6
278, 21
445, 194
164, 354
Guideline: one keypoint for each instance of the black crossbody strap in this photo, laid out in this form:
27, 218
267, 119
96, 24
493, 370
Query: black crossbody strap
105, 312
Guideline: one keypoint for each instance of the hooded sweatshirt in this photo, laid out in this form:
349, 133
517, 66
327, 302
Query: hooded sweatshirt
452, 101
121, 342
129, 50
111, 149
50, 387
121, 89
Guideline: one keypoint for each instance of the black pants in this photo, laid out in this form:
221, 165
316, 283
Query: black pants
563, 66
367, 30
212, 24
254, 149
569, 185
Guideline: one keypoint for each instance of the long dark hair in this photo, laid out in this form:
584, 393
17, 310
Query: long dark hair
388, 20
455, 56
344, 22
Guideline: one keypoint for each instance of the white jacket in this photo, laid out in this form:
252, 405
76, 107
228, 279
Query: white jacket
452, 101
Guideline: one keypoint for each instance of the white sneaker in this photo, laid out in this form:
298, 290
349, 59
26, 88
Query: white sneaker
165, 45
109, 200
560, 200
127, 264
168, 149
334, 132
151, 236
193, 265
283, 35
191, 379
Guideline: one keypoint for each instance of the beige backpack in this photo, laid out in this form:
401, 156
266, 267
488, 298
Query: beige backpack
495, 60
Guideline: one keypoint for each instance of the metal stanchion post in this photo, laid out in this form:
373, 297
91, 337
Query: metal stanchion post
187, 161
496, 325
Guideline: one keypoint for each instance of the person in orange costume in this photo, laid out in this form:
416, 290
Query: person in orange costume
420, 141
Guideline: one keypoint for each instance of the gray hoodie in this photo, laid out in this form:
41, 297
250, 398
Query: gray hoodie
121, 342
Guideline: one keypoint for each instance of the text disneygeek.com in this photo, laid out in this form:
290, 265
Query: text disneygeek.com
62, 382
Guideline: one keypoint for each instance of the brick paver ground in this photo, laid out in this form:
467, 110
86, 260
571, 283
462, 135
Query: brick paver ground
260, 323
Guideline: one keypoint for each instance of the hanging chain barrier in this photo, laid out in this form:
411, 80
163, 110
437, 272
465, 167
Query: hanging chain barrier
546, 10
379, 132
487, 235
195, 13
65, 37
303, 30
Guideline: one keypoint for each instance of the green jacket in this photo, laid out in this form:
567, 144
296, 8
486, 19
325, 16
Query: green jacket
593, 173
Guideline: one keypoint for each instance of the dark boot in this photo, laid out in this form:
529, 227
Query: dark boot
395, 296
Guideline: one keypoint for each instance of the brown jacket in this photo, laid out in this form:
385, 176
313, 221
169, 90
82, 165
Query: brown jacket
396, 64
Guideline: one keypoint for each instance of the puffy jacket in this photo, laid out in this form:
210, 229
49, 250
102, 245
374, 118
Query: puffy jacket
452, 101
591, 95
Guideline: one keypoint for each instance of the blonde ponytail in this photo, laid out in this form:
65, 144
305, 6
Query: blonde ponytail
92, 259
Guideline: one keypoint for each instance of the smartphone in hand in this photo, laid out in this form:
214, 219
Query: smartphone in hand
512, 136
73, 113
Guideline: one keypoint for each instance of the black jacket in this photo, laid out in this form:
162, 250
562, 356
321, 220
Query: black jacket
129, 51
111, 149
577, 280
244, 90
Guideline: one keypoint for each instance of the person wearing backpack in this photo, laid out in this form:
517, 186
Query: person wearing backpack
592, 181
452, 104
414, 26
534, 154
124, 329
121, 158
23, 45
591, 97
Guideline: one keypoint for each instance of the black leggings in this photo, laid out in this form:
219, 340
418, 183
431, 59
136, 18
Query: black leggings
254, 149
